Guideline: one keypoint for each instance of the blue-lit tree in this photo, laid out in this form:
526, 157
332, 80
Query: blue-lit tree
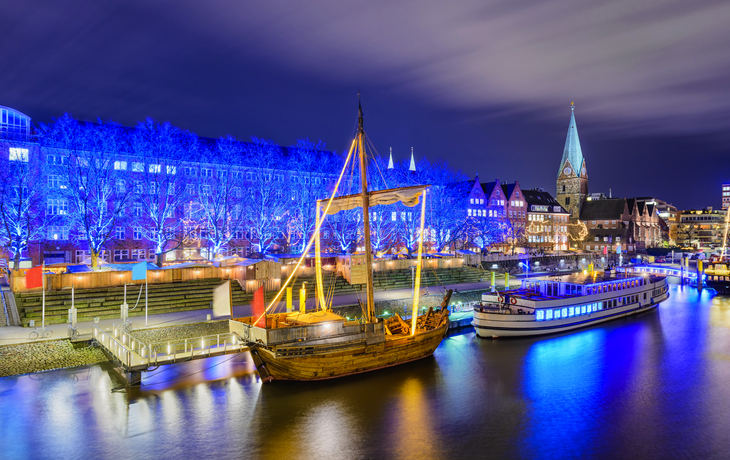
219, 201
159, 201
266, 200
21, 195
84, 155
312, 171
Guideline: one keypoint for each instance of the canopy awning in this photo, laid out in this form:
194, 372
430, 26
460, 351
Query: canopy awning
409, 196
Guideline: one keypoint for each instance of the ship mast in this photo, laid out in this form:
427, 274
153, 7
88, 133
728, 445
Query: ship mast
365, 213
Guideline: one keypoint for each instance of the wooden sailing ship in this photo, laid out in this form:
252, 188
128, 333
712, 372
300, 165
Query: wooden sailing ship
321, 344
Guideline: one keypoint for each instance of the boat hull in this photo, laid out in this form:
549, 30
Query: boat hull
358, 358
494, 326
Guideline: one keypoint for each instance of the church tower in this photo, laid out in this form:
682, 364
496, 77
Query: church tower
572, 176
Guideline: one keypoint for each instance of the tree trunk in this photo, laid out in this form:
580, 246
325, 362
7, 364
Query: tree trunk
158, 259
16, 260
94, 259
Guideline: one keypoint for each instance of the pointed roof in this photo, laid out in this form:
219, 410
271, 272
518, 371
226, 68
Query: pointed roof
412, 167
572, 151
390, 160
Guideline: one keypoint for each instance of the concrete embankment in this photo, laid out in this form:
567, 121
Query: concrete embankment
46, 355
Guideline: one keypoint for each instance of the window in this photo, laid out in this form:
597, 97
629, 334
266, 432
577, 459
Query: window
120, 165
469, 212
567, 201
57, 233
137, 234
154, 188
206, 190
139, 254
393, 216
154, 168
190, 189
481, 200
137, 167
171, 169
138, 186
119, 234
137, 209
54, 181
119, 186
249, 176
121, 254
57, 207
471, 201
280, 178
17, 154
207, 172
189, 171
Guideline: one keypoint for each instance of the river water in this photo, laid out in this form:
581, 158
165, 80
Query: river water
655, 385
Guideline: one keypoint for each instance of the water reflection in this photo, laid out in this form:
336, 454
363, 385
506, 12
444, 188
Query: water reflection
652, 386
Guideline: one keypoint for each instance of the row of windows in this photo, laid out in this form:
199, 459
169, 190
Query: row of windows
569, 312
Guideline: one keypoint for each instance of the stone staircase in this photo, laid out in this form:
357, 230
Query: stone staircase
105, 302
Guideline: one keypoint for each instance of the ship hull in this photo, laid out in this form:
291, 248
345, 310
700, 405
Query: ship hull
350, 359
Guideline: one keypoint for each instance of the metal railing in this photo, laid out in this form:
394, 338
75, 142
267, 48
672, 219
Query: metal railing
115, 346
125, 347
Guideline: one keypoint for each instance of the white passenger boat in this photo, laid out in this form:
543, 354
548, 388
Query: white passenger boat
561, 303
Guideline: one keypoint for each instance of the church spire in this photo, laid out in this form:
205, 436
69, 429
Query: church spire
413, 162
390, 159
572, 151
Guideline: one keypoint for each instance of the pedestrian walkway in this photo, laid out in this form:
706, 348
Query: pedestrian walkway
14, 335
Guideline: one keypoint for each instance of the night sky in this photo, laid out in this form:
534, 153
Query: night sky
484, 84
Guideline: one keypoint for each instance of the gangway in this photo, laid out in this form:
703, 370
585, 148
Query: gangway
135, 357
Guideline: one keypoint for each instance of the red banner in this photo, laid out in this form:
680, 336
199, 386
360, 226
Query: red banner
259, 307
34, 277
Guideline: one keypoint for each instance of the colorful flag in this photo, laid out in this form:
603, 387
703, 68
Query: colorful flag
139, 271
34, 277
259, 307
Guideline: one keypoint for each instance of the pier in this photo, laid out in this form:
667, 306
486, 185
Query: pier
135, 357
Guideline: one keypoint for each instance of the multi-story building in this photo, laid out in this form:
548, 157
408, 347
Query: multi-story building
630, 224
726, 196
701, 228
185, 203
546, 223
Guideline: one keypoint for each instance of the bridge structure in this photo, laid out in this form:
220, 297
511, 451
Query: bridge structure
684, 274
134, 356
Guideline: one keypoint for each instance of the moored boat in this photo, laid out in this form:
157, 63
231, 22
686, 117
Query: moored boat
321, 344
563, 303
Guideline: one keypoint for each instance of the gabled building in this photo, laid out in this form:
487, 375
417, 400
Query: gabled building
629, 223
547, 221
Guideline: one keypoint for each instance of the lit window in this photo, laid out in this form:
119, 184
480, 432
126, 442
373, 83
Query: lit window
17, 154
571, 311
154, 168
120, 165
583, 309
171, 169
137, 167
548, 314
540, 315
557, 313
565, 312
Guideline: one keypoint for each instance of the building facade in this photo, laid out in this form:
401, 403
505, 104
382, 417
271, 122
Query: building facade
625, 224
701, 228
726, 196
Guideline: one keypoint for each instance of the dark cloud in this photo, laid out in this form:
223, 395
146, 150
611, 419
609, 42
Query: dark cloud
485, 84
